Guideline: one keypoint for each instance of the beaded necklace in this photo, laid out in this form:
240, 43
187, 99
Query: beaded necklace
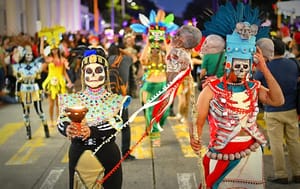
230, 106
225, 90
102, 104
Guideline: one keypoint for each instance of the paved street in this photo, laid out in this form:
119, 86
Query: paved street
42, 163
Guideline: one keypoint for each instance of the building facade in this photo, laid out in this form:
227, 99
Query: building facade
29, 16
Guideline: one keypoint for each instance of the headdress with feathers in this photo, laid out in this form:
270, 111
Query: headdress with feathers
226, 18
157, 26
230, 22
155, 20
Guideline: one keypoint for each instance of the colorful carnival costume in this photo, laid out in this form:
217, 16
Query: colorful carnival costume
155, 79
88, 163
232, 110
230, 104
57, 66
152, 88
55, 83
28, 91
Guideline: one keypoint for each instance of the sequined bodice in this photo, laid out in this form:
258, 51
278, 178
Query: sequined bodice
156, 68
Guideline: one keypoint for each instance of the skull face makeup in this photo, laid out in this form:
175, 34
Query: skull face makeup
94, 75
156, 35
28, 54
241, 67
94, 67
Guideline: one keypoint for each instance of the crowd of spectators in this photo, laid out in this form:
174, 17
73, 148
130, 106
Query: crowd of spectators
11, 52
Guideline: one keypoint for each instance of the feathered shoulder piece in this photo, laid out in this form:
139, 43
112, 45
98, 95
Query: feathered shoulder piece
155, 21
224, 21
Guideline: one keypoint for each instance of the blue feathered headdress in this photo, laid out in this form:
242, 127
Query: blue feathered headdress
155, 20
241, 26
224, 21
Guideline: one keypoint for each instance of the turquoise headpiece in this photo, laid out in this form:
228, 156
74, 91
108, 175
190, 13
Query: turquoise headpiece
240, 44
241, 26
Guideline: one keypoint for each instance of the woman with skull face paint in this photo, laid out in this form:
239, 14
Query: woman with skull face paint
230, 105
87, 162
28, 91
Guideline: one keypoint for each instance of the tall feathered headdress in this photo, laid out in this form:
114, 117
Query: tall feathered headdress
155, 20
224, 21
157, 26
241, 26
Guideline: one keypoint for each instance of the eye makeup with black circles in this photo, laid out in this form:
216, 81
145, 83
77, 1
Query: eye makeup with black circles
99, 69
88, 71
237, 66
245, 66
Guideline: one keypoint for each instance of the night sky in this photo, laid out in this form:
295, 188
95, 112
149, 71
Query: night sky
175, 6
